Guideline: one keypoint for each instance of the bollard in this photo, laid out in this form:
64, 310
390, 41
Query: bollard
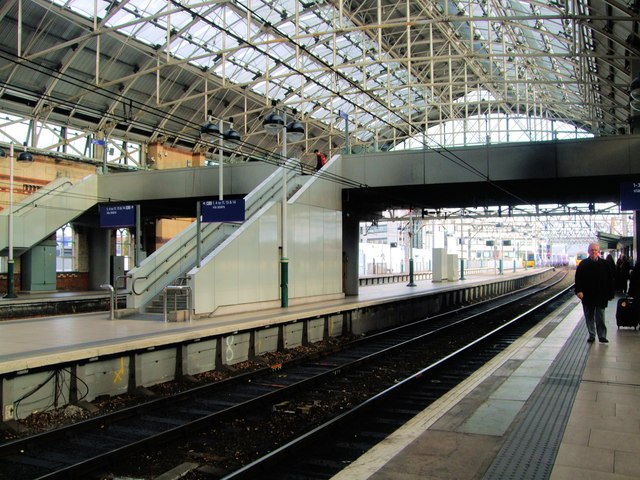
112, 299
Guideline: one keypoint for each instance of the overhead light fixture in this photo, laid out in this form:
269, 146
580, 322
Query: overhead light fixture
635, 105
295, 131
25, 157
272, 123
232, 135
209, 131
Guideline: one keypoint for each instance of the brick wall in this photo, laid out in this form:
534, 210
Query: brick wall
72, 281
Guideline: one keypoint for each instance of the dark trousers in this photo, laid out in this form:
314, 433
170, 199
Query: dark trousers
594, 318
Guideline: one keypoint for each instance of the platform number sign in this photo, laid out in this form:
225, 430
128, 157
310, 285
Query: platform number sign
117, 216
630, 196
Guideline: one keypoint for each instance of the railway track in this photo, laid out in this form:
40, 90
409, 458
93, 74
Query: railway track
330, 447
242, 410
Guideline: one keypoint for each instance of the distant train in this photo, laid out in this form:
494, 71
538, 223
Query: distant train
559, 260
529, 260
580, 257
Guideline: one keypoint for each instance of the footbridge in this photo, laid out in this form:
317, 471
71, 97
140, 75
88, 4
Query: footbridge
239, 264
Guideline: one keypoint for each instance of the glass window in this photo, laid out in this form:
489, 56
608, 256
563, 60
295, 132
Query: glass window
123, 247
65, 249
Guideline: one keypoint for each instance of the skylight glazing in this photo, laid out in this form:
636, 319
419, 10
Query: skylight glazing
393, 67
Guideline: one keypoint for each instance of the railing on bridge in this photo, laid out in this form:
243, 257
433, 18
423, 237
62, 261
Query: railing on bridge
417, 276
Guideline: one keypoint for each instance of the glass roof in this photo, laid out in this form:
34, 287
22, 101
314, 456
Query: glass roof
395, 68
231, 41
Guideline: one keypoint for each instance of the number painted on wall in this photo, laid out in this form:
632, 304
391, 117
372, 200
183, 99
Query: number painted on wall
229, 349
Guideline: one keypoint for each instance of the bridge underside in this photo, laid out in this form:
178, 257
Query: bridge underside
541, 173
367, 203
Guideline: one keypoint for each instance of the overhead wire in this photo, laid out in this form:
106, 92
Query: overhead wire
452, 157
441, 149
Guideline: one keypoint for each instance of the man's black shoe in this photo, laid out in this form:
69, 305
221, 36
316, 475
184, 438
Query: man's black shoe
591, 340
604, 340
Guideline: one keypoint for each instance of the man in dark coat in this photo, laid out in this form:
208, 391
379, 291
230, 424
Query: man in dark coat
594, 286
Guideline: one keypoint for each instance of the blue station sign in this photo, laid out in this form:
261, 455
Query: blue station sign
223, 211
630, 196
117, 216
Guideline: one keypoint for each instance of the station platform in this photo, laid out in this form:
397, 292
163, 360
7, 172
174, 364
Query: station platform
36, 342
63, 359
552, 406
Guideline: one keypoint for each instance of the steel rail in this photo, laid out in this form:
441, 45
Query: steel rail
220, 400
271, 465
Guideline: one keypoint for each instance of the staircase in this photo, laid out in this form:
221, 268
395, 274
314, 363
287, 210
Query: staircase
179, 255
36, 217
175, 300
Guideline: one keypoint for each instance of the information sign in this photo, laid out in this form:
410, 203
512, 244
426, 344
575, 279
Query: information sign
223, 210
630, 196
117, 216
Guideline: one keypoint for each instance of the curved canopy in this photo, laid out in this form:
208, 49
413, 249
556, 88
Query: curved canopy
385, 70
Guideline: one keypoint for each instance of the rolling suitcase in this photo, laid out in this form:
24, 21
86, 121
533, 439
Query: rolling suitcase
627, 313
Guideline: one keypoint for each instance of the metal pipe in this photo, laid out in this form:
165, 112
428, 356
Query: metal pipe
118, 278
284, 260
10, 263
177, 288
112, 299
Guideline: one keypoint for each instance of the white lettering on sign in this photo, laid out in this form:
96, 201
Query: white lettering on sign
113, 210
216, 203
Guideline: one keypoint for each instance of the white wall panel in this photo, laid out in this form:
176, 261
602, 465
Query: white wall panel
246, 268
518, 161
269, 258
43, 212
239, 178
615, 155
321, 190
567, 158
316, 260
300, 253
226, 275
317, 241
333, 251
246, 256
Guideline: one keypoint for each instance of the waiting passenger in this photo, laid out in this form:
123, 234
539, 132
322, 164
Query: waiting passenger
622, 274
634, 282
594, 287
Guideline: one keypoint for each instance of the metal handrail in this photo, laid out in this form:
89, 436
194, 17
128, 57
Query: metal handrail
185, 250
115, 286
178, 288
256, 199
37, 195
133, 285
41, 193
